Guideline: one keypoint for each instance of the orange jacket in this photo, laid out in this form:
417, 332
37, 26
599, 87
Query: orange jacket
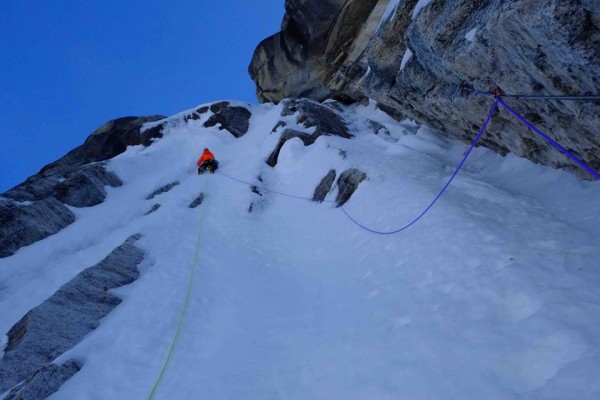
206, 155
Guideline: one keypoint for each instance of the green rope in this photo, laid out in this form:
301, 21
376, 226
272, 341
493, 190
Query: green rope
186, 300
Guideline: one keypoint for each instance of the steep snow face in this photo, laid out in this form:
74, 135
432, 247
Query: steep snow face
494, 294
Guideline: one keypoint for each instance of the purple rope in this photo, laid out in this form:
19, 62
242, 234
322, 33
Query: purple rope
481, 131
269, 190
550, 140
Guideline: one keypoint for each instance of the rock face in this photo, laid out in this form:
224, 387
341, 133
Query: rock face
22, 224
310, 115
81, 187
314, 39
62, 321
414, 60
324, 186
347, 184
234, 119
106, 142
36, 208
161, 190
44, 382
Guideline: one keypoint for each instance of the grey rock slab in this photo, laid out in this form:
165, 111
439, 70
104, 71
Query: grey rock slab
44, 382
154, 208
311, 115
66, 317
22, 224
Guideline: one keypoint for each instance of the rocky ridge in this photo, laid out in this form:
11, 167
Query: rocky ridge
420, 60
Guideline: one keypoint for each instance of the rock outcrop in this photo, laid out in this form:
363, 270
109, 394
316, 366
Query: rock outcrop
347, 184
36, 209
234, 119
80, 187
413, 57
22, 224
309, 115
66, 317
44, 382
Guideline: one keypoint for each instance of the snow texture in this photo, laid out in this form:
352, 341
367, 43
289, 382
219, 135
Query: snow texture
389, 13
420, 6
407, 56
470, 36
492, 295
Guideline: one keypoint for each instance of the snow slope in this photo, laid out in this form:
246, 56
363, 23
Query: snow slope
493, 295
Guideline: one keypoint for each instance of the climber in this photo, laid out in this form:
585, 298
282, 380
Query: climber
207, 162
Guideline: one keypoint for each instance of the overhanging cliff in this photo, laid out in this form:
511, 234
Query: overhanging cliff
413, 57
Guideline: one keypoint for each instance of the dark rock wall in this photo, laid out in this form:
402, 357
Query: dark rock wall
310, 115
234, 119
106, 142
36, 209
522, 46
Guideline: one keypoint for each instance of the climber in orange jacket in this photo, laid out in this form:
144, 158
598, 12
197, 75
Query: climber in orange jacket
208, 162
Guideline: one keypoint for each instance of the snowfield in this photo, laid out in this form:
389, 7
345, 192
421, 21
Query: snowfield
494, 294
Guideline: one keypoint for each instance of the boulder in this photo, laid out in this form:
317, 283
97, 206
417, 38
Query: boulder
197, 201
80, 187
310, 115
106, 142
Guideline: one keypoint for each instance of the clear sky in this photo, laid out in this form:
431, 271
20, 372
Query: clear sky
68, 66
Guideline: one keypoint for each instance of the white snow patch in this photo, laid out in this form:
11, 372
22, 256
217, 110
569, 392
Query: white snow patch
389, 12
420, 5
362, 78
3, 344
470, 36
405, 58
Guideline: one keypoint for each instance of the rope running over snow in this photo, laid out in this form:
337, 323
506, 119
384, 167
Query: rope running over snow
186, 300
439, 195
498, 101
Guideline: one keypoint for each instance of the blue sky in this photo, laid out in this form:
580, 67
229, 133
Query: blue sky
66, 67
